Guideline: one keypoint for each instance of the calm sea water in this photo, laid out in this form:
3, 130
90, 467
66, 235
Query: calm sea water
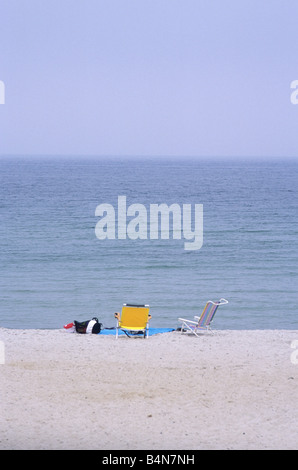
55, 270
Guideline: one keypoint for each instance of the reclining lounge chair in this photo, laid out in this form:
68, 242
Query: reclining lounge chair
203, 322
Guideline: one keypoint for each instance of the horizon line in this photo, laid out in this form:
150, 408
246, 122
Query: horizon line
146, 156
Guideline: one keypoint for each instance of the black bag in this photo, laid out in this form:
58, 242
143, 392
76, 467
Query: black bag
81, 327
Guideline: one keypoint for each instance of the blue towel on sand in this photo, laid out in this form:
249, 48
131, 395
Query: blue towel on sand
152, 331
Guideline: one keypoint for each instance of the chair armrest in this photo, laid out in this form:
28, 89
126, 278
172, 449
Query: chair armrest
117, 315
188, 321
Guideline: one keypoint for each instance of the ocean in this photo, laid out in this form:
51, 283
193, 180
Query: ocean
54, 269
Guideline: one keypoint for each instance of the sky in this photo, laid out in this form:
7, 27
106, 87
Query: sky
199, 78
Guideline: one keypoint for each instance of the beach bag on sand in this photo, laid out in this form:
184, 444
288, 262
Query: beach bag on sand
88, 326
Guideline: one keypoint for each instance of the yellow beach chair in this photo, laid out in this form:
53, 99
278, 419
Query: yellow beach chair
133, 318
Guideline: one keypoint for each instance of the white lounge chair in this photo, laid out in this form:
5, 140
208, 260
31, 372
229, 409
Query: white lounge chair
203, 322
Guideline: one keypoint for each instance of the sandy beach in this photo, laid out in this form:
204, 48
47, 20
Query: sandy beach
229, 390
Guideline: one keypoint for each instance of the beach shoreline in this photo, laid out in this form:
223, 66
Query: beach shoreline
233, 389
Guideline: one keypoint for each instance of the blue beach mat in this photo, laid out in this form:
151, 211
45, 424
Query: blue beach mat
152, 331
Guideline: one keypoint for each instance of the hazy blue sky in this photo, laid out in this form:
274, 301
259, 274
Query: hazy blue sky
149, 77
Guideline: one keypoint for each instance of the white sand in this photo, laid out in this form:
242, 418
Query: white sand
230, 390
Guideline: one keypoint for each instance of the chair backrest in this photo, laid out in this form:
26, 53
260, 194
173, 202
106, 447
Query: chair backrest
134, 316
209, 312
